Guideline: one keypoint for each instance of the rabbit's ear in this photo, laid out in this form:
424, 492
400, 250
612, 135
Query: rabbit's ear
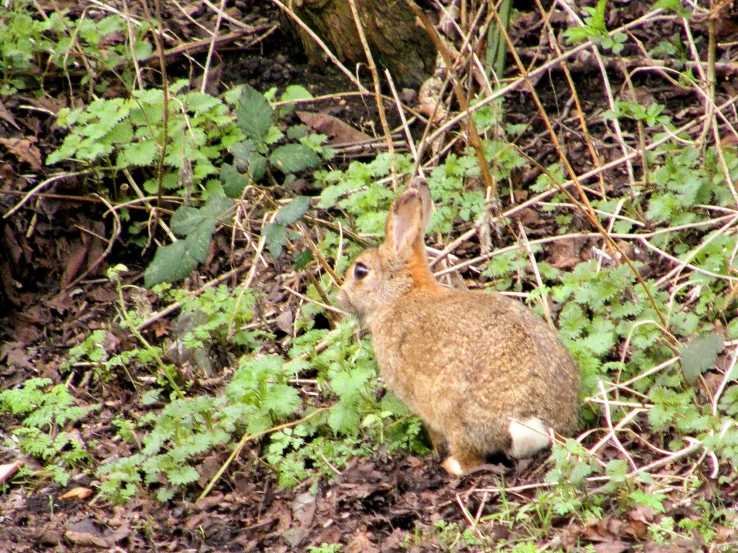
421, 185
405, 223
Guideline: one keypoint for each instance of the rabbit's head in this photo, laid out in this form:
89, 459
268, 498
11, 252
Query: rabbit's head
380, 275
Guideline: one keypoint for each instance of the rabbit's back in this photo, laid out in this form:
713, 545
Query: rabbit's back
468, 362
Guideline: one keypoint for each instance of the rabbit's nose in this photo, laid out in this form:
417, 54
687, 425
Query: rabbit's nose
343, 301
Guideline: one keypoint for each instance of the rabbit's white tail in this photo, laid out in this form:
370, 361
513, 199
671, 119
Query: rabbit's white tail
528, 437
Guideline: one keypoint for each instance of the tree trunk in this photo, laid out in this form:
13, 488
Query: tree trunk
397, 43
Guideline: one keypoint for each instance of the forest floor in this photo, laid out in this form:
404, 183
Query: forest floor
55, 294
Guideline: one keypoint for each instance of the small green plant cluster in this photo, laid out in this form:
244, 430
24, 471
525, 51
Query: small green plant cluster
258, 397
177, 260
594, 29
265, 147
278, 233
364, 196
124, 134
179, 143
31, 45
49, 413
651, 115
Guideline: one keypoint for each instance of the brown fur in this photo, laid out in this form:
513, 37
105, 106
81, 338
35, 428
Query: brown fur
465, 362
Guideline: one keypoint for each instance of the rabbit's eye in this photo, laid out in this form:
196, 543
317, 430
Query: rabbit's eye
360, 271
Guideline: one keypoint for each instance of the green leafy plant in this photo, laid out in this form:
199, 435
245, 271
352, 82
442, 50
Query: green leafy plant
176, 261
260, 152
48, 414
34, 46
125, 134
651, 115
277, 234
594, 29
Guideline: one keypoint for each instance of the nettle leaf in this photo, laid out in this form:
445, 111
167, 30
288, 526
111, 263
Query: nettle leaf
295, 92
572, 320
254, 114
273, 136
217, 207
185, 220
275, 236
292, 158
700, 354
137, 154
282, 400
394, 405
233, 182
170, 264
344, 418
247, 159
347, 385
650, 499
182, 475
177, 261
200, 102
729, 401
293, 211
661, 208
143, 50
291, 94
580, 471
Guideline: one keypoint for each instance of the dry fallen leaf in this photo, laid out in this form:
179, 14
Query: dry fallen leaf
7, 471
338, 132
80, 492
24, 150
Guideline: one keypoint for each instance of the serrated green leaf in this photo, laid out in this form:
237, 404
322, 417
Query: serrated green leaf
200, 102
185, 220
217, 207
296, 132
661, 208
254, 114
346, 384
282, 400
392, 404
142, 50
275, 236
247, 159
182, 475
699, 355
242, 152
301, 259
292, 158
668, 5
170, 264
233, 182
293, 211
177, 261
295, 92
580, 471
137, 154
650, 499
344, 418
274, 135
198, 243
617, 467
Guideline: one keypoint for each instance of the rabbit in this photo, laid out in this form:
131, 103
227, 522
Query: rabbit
481, 370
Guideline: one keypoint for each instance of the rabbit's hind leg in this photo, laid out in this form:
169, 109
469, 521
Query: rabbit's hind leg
462, 460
